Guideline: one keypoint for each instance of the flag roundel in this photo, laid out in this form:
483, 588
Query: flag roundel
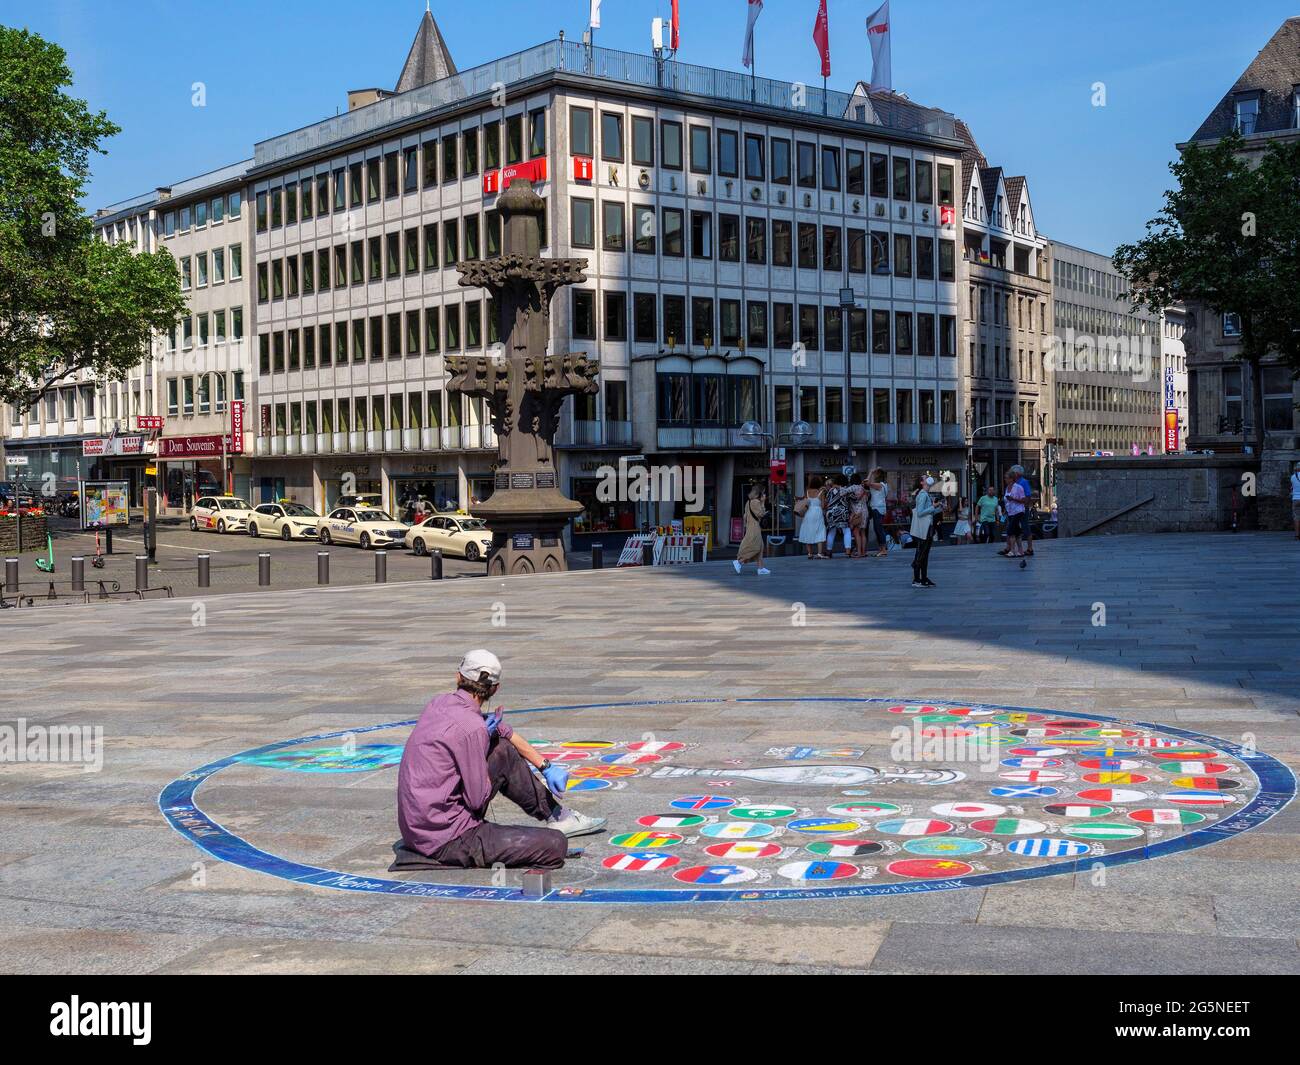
656, 747
573, 756
618, 758
1040, 847
1111, 765
945, 846
863, 808
968, 809
1078, 809
578, 784
914, 826
913, 709
1036, 751
1102, 830
588, 745
1036, 732
1112, 795
1186, 752
969, 711
715, 875
1206, 783
1032, 776
670, 820
818, 870
640, 862
1165, 816
1008, 826
646, 840
1074, 726
1115, 778
1156, 742
843, 848
761, 813
825, 825
737, 830
1023, 791
603, 772
702, 802
743, 851
1197, 768
1197, 798
929, 868
1032, 761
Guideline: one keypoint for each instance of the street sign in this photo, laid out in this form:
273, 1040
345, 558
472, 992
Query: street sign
17, 460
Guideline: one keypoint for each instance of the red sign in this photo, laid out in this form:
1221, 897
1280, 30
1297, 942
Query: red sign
236, 426
191, 447
496, 180
947, 216
118, 445
778, 471
584, 168
1171, 429
148, 421
266, 420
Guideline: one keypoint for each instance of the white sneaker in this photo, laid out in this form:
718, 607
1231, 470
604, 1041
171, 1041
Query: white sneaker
576, 824
763, 571
736, 562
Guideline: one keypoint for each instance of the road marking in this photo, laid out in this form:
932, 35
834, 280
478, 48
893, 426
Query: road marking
173, 547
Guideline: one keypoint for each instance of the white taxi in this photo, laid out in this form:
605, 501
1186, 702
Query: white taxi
285, 520
222, 513
365, 526
452, 534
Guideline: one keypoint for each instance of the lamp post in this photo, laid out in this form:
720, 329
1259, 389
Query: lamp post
799, 432
970, 447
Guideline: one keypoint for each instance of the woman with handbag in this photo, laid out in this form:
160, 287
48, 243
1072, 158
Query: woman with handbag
877, 504
751, 547
812, 530
924, 525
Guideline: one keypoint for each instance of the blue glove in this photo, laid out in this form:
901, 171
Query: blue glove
490, 722
557, 779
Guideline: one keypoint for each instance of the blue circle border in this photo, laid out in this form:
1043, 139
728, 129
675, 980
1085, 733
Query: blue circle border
1277, 787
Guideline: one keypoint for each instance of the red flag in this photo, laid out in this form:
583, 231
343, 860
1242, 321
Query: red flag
822, 36
676, 37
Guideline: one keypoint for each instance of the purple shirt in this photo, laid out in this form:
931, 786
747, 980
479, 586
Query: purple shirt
442, 784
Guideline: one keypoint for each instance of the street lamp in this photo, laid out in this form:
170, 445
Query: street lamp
799, 432
970, 468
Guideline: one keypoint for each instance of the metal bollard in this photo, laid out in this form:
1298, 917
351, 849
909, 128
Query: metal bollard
263, 568
597, 556
381, 567
697, 550
11, 574
141, 572
205, 571
648, 553
435, 565
78, 573
322, 567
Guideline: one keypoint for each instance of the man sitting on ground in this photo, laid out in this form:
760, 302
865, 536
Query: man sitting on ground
457, 759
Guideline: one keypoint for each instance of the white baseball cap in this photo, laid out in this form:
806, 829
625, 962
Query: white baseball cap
476, 663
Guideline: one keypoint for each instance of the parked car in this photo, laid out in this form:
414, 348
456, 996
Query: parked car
366, 527
452, 534
365, 499
222, 513
285, 520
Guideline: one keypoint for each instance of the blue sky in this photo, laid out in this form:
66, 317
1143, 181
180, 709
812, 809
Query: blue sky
1020, 74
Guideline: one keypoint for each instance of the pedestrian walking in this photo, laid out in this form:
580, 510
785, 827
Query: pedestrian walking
1013, 496
877, 501
1031, 503
923, 527
987, 508
751, 547
837, 504
812, 529
962, 530
859, 504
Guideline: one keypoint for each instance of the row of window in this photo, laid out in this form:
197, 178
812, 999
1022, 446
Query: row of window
888, 406
215, 327
65, 399
204, 393
1005, 417
398, 173
983, 298
833, 249
1030, 365
202, 214
397, 410
1072, 396
1099, 322
760, 158
195, 271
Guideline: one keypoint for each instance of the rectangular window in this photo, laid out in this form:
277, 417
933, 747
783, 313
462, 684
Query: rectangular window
925, 334
755, 156
430, 152
807, 246
643, 141
611, 136
924, 182
902, 178
372, 180
756, 324
644, 318
643, 232
728, 153
580, 131
832, 248
948, 335
354, 185
672, 231
808, 325
451, 332
472, 233
674, 320
290, 204
584, 314
431, 246
902, 255
277, 279
782, 242
857, 333
615, 315
410, 169
536, 133
200, 214
947, 261
855, 172
879, 175
702, 322
450, 243
880, 333
614, 237
831, 169
514, 139
670, 145
945, 186
857, 242
902, 333
701, 235
201, 261
729, 323
782, 326
449, 160
756, 240
700, 153
376, 337
925, 258
432, 331
806, 165
491, 145
187, 273
833, 328
291, 276
582, 223
492, 233
469, 153
236, 323
780, 161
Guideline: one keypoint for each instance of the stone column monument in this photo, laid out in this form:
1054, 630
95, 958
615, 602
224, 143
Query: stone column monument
525, 388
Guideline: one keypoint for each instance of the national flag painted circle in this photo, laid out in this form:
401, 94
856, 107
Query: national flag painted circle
578, 784
1040, 847
1023, 791
761, 812
573, 756
945, 846
913, 709
952, 732
1032, 776
1036, 732
825, 825
1186, 752
671, 820
1197, 798
1197, 768
929, 868
1073, 726
1032, 762
970, 711
1078, 809
1111, 795
602, 772
1110, 765
630, 759
1115, 778
737, 830
968, 809
1206, 783
913, 826
1102, 830
702, 802
741, 851
818, 870
1161, 815
1158, 743
646, 840
1020, 717
1036, 751
715, 875
1112, 733
1074, 742
863, 808
656, 746
843, 848
1008, 826
589, 745
640, 862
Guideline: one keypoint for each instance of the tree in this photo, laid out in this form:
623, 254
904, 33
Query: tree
68, 302
1228, 239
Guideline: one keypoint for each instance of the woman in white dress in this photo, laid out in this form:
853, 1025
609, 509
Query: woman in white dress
812, 530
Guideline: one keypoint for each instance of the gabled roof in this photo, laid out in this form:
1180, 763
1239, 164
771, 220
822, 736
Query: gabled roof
428, 59
1274, 73
1015, 187
972, 158
896, 111
989, 178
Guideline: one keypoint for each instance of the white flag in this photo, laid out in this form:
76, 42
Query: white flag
882, 77
755, 9
595, 15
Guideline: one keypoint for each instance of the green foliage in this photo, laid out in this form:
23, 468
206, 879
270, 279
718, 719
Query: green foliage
67, 301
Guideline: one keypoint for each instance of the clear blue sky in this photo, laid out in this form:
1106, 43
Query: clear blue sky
1020, 74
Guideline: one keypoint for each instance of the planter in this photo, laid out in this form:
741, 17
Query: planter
34, 533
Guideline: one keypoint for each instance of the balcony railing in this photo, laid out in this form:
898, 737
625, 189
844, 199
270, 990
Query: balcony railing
324, 443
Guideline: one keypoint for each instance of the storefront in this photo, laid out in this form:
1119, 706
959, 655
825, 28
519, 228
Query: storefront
436, 481
60, 456
753, 468
338, 478
193, 466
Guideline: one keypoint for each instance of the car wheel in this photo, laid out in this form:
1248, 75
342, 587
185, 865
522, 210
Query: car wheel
364, 541
471, 552
194, 524
221, 525
325, 537
252, 529
285, 532
419, 546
